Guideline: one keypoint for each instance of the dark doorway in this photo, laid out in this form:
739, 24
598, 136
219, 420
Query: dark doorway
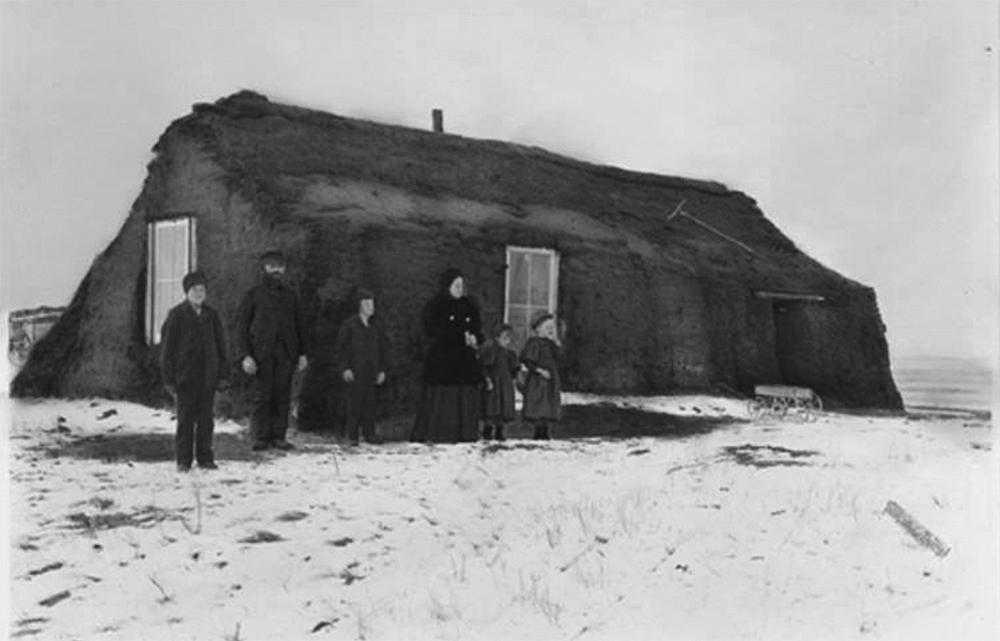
792, 341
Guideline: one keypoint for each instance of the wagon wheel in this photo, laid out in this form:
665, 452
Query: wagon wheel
755, 408
802, 409
18, 349
813, 407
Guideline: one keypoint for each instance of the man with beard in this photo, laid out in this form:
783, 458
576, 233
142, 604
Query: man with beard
270, 335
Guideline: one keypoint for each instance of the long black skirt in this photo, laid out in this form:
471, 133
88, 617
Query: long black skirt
448, 414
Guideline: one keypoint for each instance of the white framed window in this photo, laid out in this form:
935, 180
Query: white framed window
170, 256
530, 288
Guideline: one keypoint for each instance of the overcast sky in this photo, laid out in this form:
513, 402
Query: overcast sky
867, 131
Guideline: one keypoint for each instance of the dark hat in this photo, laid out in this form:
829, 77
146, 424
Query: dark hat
272, 257
448, 277
501, 327
364, 293
192, 279
541, 318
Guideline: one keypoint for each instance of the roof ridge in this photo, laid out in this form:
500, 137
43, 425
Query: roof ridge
251, 104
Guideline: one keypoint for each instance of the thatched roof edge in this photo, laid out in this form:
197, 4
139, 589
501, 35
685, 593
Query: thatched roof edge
250, 104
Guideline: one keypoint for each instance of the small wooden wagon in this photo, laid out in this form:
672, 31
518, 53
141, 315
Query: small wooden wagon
784, 401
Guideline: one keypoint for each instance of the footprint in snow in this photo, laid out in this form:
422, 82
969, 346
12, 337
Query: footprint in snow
325, 624
48, 568
54, 599
348, 576
292, 515
262, 536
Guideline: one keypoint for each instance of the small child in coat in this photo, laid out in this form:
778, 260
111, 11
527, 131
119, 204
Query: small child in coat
500, 365
362, 357
542, 388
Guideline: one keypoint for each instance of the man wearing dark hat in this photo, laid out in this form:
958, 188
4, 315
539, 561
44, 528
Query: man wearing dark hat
362, 357
193, 363
271, 337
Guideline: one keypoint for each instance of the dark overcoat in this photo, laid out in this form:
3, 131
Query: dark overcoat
450, 361
193, 348
500, 365
270, 322
361, 348
541, 395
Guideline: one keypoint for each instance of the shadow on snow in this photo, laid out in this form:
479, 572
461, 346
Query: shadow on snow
602, 421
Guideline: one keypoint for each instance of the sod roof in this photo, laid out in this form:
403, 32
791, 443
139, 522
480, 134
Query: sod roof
268, 148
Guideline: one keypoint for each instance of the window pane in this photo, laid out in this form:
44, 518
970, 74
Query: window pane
171, 250
529, 289
179, 249
540, 273
161, 305
518, 318
171, 261
164, 252
517, 276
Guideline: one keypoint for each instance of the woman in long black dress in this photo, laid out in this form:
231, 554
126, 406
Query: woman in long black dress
450, 407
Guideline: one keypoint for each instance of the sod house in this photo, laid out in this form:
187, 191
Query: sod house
662, 283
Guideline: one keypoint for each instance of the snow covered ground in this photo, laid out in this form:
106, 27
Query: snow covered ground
763, 529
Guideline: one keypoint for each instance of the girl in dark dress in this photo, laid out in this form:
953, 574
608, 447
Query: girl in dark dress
450, 407
542, 388
500, 364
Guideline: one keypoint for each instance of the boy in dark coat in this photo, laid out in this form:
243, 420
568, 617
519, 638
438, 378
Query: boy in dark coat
540, 355
362, 357
270, 336
500, 364
193, 363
